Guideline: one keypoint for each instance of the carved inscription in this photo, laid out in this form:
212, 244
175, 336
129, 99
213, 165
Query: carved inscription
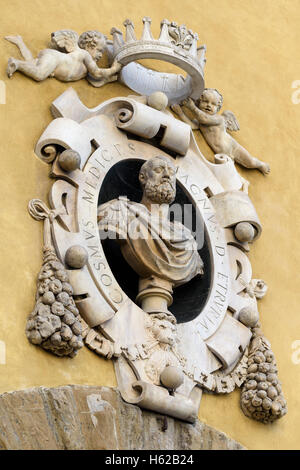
97, 259
217, 303
95, 173
216, 307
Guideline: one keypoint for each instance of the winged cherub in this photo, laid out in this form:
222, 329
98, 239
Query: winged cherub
214, 128
73, 57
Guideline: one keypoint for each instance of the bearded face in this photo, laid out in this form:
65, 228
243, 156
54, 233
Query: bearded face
159, 180
160, 193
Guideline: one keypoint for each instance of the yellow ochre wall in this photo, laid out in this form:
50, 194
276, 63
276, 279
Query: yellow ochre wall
253, 59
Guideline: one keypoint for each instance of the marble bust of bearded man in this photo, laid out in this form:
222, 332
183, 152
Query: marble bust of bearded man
163, 253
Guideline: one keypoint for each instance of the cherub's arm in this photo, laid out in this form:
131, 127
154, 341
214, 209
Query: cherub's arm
97, 72
203, 118
180, 113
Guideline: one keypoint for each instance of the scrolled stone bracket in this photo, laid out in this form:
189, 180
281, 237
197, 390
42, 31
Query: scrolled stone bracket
158, 399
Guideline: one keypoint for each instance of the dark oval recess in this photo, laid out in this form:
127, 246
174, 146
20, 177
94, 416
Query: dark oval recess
188, 299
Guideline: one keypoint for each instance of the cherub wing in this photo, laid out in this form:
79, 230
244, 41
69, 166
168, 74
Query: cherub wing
231, 121
65, 40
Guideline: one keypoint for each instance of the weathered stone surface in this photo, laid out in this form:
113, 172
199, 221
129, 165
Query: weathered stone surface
85, 417
26, 422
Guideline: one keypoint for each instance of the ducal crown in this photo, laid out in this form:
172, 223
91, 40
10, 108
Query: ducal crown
176, 44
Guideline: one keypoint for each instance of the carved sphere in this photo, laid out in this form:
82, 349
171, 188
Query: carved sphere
34, 337
158, 100
272, 392
244, 232
48, 298
76, 256
69, 160
276, 408
171, 377
267, 404
248, 316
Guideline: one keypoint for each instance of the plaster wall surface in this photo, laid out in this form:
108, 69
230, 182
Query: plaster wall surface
252, 59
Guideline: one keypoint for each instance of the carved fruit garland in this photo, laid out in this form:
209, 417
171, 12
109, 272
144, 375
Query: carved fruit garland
261, 397
54, 323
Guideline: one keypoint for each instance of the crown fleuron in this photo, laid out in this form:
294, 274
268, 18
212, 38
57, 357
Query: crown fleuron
176, 44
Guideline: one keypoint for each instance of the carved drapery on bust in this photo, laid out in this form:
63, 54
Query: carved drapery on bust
153, 246
163, 253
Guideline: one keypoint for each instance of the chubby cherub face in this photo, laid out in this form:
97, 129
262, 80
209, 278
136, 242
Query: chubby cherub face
96, 50
210, 102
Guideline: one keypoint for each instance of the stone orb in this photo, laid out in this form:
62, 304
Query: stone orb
171, 377
48, 298
248, 316
76, 256
69, 160
158, 100
244, 232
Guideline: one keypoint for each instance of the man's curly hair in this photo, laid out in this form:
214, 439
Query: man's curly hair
90, 39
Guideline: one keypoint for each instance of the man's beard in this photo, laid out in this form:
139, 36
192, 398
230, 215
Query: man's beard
163, 193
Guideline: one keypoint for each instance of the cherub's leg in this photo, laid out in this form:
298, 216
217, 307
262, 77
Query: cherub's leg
38, 69
18, 41
180, 113
243, 157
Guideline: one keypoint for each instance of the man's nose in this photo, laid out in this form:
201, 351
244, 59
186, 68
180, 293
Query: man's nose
166, 173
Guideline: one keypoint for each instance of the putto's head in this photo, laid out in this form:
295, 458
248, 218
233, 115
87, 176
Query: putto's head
158, 180
210, 101
93, 42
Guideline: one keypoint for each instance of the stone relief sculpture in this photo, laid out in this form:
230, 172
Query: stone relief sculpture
54, 324
183, 37
185, 319
164, 357
175, 44
163, 253
214, 127
261, 397
72, 58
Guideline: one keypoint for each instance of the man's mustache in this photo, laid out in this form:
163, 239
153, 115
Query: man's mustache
167, 180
